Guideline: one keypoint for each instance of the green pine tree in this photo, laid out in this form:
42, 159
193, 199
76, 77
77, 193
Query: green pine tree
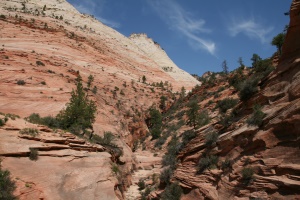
80, 111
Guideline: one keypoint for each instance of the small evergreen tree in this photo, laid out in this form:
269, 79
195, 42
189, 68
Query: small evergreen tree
80, 111
155, 123
192, 113
240, 61
90, 81
255, 60
144, 79
278, 41
225, 67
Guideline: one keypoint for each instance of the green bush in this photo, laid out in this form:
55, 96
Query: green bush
21, 82
226, 164
247, 89
49, 121
107, 139
2, 122
211, 138
247, 175
155, 123
257, 117
187, 136
29, 131
202, 119
7, 186
40, 63
141, 184
33, 154
165, 176
226, 104
172, 192
169, 159
207, 162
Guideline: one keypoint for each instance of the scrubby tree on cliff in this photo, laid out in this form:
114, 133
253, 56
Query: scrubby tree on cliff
80, 112
255, 60
278, 41
192, 113
225, 67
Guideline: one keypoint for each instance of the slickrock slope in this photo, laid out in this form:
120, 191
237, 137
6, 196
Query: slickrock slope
67, 167
154, 51
44, 45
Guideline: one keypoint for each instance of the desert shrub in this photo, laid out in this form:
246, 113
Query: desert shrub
186, 137
11, 116
155, 123
7, 186
203, 118
2, 122
33, 154
236, 80
211, 138
94, 90
226, 120
115, 169
166, 175
49, 121
247, 175
192, 113
43, 83
39, 63
21, 82
29, 131
264, 67
2, 17
172, 191
207, 162
141, 184
145, 194
107, 139
169, 159
257, 117
247, 89
226, 164
226, 104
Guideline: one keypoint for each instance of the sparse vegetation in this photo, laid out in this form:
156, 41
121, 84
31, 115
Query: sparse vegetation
172, 191
226, 104
21, 82
257, 117
247, 89
141, 184
247, 175
155, 123
166, 175
211, 138
33, 154
107, 139
192, 113
39, 63
207, 162
29, 131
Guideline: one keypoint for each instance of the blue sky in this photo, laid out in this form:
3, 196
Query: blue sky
197, 35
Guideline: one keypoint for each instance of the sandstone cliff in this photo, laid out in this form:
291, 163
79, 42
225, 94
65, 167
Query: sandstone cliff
44, 45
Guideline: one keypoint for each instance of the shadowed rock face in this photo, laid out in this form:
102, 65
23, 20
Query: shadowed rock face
271, 151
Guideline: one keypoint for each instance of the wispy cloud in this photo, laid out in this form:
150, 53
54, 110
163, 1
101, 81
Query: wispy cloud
93, 8
250, 28
184, 22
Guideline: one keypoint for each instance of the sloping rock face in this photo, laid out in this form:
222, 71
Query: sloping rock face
271, 151
44, 46
154, 51
66, 167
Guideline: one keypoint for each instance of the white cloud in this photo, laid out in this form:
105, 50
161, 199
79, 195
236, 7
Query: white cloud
250, 28
89, 7
181, 20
